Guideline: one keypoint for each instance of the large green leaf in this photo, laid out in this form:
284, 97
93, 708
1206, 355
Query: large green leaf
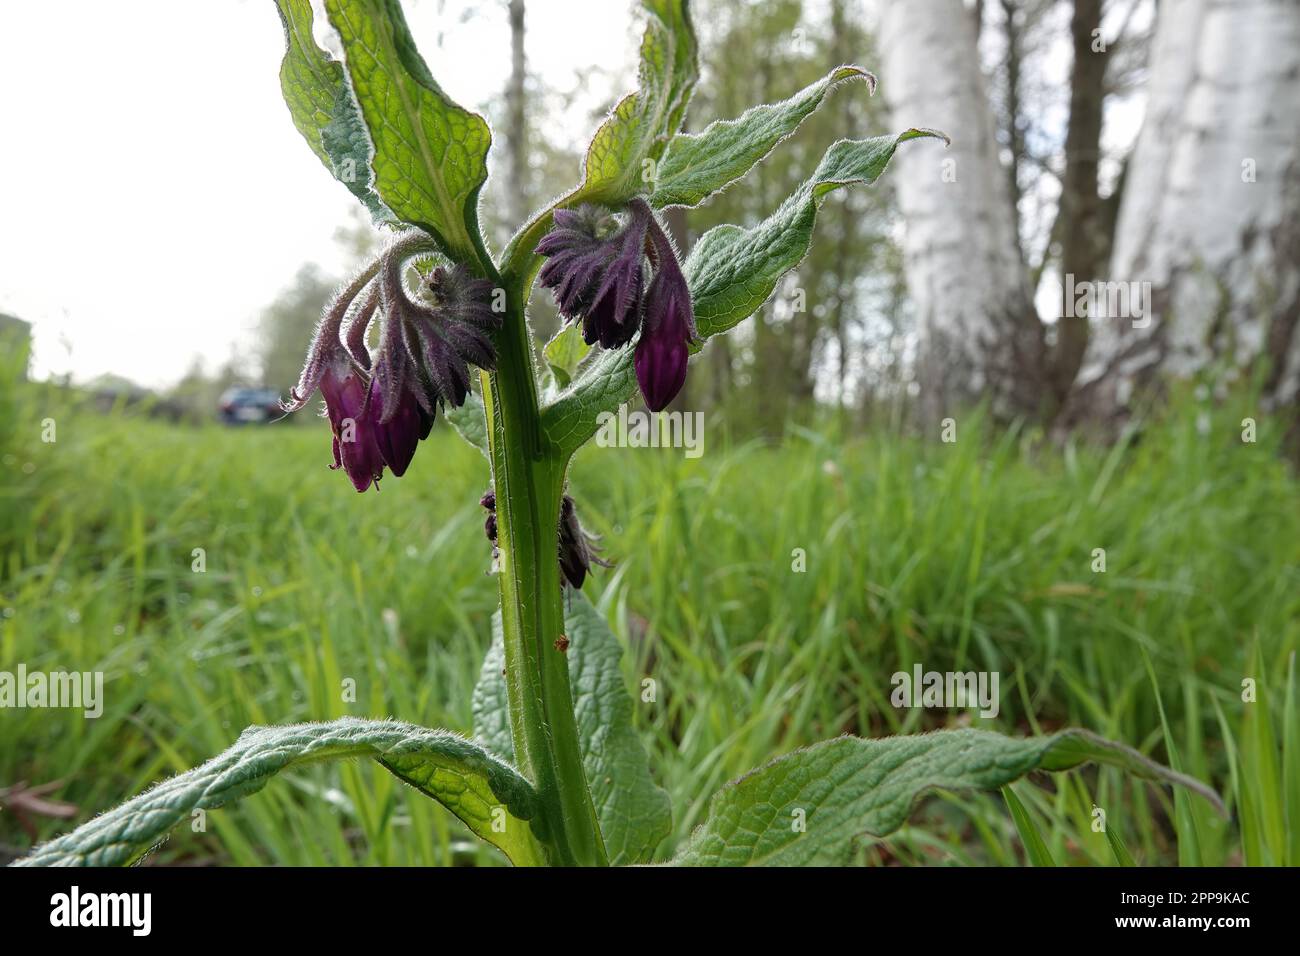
323, 109
643, 122
807, 807
635, 815
698, 165
491, 703
458, 773
731, 272
430, 155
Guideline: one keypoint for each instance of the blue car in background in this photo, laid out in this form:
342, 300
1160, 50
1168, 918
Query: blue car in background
243, 406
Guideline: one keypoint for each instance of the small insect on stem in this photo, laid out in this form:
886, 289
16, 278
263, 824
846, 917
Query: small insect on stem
562, 644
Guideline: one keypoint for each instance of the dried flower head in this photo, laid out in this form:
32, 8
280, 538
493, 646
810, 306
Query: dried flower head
577, 548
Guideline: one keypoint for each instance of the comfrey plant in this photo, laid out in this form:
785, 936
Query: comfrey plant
555, 773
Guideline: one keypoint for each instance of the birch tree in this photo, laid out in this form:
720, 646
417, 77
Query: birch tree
979, 336
1211, 211
516, 116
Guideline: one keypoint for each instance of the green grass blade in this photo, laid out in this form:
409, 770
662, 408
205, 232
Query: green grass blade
1035, 848
1189, 844
1291, 766
1261, 777
1117, 847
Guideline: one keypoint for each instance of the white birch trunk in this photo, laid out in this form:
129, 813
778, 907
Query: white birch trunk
978, 334
1211, 211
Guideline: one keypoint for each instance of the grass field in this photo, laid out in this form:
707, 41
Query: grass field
971, 555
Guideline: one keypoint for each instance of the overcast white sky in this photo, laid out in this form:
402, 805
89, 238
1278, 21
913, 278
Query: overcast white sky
156, 194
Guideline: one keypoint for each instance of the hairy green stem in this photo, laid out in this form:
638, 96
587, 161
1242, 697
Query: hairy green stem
528, 478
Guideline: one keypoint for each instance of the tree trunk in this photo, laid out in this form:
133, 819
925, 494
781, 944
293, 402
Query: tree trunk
840, 269
1080, 216
516, 119
1211, 210
771, 365
1015, 129
978, 334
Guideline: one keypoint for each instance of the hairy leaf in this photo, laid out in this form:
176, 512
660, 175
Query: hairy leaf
849, 786
635, 815
603, 384
458, 773
731, 271
430, 155
491, 702
643, 122
698, 165
323, 109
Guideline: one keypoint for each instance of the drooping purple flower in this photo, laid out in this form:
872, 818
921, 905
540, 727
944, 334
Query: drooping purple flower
596, 270
578, 250
668, 331
425, 350
380, 411
346, 391
463, 325
352, 421
432, 343
327, 350
399, 432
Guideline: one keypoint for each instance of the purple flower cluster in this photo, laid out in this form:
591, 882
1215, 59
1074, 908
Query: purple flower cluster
596, 268
380, 411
